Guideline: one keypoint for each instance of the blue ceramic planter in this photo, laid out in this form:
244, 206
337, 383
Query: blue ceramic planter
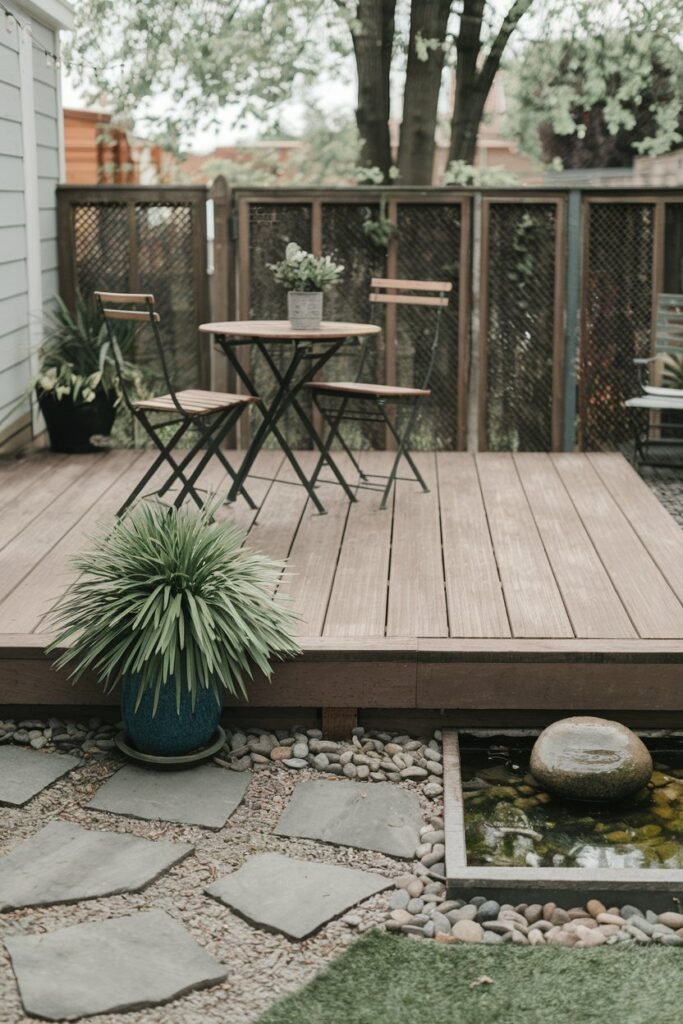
168, 733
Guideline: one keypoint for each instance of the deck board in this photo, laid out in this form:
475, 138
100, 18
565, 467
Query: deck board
476, 606
592, 603
518, 581
652, 605
417, 597
532, 597
358, 602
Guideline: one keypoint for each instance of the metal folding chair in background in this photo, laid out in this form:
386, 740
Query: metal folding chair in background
211, 413
340, 401
651, 427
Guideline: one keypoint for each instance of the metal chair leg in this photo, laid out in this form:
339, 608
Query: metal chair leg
213, 437
160, 459
403, 443
401, 451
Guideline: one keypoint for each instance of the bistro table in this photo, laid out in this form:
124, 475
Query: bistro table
308, 353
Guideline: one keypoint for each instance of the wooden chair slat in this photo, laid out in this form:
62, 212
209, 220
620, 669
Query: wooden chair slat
409, 300
125, 298
416, 286
129, 314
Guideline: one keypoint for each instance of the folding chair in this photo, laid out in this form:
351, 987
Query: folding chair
378, 396
213, 414
656, 401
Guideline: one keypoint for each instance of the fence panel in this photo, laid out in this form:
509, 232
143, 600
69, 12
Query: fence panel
617, 297
142, 239
428, 242
521, 343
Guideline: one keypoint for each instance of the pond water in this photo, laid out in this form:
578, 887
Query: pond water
511, 821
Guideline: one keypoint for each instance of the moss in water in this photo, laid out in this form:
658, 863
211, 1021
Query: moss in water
511, 821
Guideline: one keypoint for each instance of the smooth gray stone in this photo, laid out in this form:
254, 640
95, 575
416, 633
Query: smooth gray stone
64, 862
24, 773
294, 896
125, 963
197, 796
380, 817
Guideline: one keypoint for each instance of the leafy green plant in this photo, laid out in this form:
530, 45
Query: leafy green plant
379, 230
672, 372
170, 597
76, 358
301, 271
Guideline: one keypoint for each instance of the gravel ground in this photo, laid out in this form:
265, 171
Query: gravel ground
262, 966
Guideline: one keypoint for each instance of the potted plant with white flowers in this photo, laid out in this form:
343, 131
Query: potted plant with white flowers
305, 277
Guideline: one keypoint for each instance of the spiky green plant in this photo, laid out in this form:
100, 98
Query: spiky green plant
166, 596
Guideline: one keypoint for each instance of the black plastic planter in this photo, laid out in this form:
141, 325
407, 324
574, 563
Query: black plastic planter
71, 425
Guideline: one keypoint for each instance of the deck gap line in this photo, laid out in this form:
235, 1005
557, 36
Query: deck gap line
65, 534
114, 481
297, 524
598, 555
590, 541
258, 509
628, 519
40, 511
336, 563
58, 460
493, 546
602, 563
443, 553
547, 554
392, 510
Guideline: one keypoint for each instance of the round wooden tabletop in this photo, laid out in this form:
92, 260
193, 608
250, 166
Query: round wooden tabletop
281, 330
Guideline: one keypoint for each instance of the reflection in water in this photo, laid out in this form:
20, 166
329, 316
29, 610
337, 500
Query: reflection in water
511, 821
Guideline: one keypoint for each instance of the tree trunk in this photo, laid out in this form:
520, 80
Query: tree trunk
472, 84
428, 19
373, 40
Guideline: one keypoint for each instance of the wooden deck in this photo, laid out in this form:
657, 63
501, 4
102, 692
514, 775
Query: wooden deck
527, 582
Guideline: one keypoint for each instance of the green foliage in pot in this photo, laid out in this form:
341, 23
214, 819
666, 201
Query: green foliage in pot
170, 597
76, 358
301, 271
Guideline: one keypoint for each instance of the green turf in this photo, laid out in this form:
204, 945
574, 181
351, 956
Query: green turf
388, 979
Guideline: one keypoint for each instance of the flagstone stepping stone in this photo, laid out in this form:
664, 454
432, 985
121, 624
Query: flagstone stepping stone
64, 862
24, 773
380, 817
294, 896
196, 796
125, 963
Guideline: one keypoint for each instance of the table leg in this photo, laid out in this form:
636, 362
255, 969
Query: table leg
269, 425
325, 453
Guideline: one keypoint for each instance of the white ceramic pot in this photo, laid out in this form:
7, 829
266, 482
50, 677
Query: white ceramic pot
305, 310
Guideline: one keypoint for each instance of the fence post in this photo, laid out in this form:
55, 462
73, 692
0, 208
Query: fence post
473, 427
219, 194
571, 330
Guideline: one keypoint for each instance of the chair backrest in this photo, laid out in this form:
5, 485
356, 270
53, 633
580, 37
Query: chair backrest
669, 325
106, 303
397, 291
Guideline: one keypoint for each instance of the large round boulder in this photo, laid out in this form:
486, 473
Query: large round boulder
586, 758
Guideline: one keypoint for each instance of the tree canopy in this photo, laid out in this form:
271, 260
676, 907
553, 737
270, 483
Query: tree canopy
583, 70
605, 89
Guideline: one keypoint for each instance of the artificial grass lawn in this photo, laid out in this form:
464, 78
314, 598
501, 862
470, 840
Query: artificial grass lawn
392, 979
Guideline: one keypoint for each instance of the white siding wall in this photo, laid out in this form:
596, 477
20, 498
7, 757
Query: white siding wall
28, 236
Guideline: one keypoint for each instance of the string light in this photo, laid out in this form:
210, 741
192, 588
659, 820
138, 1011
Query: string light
52, 59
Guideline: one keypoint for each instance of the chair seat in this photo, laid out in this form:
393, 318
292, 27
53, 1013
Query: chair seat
655, 402
195, 403
651, 389
359, 390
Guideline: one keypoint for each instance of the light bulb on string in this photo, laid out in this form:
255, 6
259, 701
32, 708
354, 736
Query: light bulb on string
9, 21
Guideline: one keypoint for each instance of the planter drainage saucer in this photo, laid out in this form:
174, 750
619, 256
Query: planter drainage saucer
180, 761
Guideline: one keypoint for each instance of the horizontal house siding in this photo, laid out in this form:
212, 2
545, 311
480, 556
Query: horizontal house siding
14, 311
18, 314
